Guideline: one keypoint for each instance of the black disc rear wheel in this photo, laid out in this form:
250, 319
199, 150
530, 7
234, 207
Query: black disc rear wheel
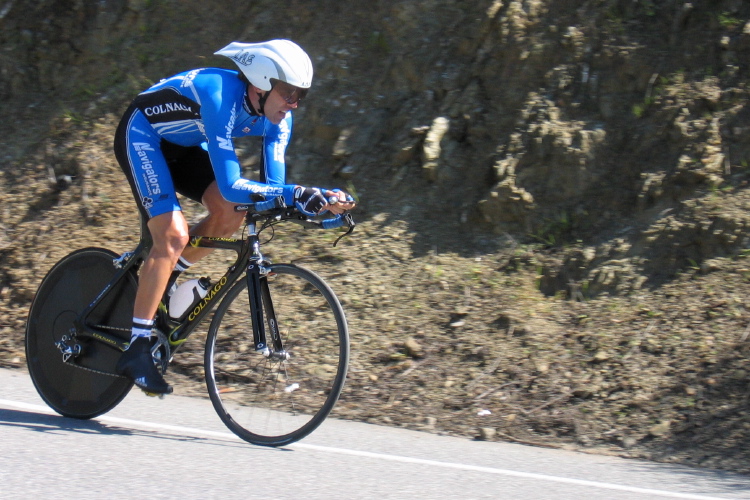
87, 385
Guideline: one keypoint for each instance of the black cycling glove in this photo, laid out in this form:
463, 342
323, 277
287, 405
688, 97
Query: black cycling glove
309, 200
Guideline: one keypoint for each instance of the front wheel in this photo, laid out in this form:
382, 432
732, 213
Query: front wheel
269, 401
85, 386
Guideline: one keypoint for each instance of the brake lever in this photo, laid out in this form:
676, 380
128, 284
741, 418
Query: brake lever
349, 222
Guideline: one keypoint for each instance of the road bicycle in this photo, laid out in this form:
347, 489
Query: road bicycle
277, 347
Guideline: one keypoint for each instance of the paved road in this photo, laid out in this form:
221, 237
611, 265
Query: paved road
178, 448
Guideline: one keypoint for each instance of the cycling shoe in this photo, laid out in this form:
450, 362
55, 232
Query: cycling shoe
137, 364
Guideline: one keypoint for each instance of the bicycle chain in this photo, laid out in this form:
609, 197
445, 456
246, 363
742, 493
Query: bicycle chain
116, 328
93, 370
100, 372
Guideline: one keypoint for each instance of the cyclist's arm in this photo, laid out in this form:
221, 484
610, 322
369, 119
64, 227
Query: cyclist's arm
218, 112
275, 141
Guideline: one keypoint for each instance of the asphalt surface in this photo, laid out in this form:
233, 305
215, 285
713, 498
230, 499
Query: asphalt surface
178, 447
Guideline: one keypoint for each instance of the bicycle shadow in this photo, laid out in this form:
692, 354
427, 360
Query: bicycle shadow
57, 424
40, 422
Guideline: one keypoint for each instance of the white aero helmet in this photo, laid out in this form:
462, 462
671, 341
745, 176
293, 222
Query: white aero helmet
281, 60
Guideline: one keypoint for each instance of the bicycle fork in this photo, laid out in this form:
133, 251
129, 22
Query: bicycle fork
261, 307
263, 314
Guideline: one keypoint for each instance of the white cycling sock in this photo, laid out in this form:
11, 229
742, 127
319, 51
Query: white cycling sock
179, 268
182, 264
141, 328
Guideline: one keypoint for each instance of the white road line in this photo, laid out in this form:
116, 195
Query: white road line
378, 456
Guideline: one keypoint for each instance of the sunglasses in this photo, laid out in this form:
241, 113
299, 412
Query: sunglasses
290, 93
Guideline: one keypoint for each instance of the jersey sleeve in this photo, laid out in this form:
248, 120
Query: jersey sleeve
275, 141
219, 111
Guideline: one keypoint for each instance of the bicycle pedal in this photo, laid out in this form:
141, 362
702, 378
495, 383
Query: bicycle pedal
153, 394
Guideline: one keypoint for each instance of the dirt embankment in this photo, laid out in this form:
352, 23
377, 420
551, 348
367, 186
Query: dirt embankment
554, 204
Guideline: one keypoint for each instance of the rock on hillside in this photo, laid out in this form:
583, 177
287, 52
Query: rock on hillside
553, 195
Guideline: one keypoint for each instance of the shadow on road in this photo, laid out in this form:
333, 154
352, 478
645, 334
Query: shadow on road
56, 424
40, 422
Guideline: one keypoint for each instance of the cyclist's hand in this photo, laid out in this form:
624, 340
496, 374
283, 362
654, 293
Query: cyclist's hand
313, 201
310, 200
339, 202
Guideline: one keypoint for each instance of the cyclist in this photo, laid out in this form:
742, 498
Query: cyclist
177, 137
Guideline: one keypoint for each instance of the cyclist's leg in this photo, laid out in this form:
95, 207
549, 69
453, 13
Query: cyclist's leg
169, 232
194, 178
138, 151
221, 222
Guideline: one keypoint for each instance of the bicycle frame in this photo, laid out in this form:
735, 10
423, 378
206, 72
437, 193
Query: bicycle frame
249, 260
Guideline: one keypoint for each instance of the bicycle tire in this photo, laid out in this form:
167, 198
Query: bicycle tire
91, 387
268, 402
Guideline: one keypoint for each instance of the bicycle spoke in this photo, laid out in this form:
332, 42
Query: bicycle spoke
274, 401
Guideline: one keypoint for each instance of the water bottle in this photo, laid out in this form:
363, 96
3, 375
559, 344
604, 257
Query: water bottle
187, 296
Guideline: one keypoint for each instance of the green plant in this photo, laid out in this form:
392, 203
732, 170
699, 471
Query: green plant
378, 42
640, 109
539, 276
678, 77
728, 21
351, 191
438, 272
72, 117
554, 231
474, 273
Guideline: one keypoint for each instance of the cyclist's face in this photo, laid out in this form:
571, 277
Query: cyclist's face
282, 99
276, 108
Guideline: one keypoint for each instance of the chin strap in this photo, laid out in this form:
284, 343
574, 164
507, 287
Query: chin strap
262, 102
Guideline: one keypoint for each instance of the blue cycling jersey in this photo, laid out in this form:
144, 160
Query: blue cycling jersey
205, 107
